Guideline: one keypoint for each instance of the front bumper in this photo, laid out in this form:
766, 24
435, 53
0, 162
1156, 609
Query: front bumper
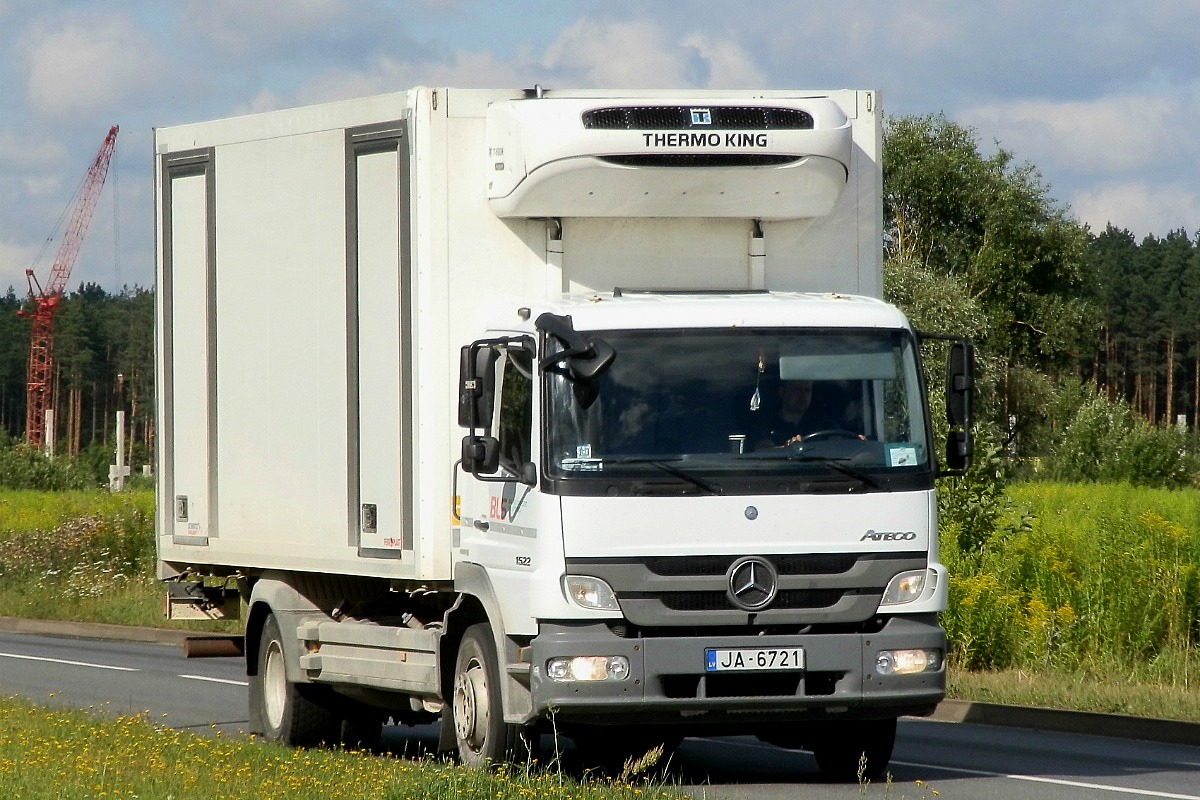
667, 681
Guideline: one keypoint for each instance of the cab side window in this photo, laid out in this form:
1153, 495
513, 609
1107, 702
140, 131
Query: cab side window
515, 428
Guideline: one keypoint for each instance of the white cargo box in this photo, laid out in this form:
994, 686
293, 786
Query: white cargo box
319, 269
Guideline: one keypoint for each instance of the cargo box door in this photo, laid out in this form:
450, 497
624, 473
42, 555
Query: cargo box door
381, 351
189, 344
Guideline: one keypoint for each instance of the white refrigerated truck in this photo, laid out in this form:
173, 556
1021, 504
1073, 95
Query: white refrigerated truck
469, 400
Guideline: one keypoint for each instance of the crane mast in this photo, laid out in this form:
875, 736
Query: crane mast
44, 301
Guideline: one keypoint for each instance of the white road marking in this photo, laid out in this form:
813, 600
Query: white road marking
1101, 787
214, 680
70, 663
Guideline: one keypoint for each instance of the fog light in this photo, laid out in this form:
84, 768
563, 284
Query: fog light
908, 662
589, 592
588, 668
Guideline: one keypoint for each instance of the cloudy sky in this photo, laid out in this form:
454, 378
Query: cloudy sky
1103, 96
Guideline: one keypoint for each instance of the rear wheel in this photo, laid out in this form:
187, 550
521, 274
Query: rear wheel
849, 751
286, 711
481, 734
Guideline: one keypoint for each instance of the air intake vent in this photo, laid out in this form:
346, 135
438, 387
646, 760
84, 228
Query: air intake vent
699, 160
709, 118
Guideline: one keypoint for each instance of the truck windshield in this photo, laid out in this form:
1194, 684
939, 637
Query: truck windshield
722, 410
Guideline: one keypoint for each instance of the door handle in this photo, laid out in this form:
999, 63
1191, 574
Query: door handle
480, 525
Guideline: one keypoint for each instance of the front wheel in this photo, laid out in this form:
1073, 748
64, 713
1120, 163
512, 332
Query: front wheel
481, 734
849, 751
286, 711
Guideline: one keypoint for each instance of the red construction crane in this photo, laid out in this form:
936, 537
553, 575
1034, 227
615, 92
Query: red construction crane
44, 301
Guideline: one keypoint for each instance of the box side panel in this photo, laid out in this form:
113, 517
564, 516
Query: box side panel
843, 251
281, 371
267, 367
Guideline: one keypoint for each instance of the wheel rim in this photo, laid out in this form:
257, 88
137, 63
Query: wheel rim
274, 686
471, 707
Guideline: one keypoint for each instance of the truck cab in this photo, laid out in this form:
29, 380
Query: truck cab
666, 547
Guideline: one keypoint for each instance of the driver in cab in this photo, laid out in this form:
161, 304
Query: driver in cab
793, 419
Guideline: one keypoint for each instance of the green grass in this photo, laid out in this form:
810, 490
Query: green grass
1082, 578
83, 556
1130, 692
64, 754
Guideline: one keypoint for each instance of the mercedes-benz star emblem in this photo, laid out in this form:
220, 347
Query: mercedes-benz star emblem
753, 583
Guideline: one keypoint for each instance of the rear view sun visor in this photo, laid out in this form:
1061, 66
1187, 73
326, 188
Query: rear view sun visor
753, 158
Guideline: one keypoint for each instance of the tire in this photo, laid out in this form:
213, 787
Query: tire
852, 751
286, 711
481, 735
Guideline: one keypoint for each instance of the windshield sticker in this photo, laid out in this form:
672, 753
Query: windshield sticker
901, 455
583, 464
583, 451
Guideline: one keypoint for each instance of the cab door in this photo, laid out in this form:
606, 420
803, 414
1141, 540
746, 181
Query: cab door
499, 500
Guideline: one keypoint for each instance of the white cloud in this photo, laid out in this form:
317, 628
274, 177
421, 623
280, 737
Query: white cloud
1115, 134
1141, 208
253, 29
24, 151
85, 66
15, 258
642, 55
728, 64
581, 56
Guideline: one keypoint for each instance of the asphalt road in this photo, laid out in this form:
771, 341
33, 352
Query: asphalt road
953, 759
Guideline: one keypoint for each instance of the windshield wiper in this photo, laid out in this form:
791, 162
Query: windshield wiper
808, 458
837, 466
662, 464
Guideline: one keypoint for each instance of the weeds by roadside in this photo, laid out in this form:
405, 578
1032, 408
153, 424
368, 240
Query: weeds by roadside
58, 754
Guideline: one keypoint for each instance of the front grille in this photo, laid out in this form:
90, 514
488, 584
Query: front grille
791, 564
679, 118
719, 601
835, 589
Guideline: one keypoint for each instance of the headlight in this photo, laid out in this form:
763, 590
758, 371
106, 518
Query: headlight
908, 586
588, 668
908, 662
588, 592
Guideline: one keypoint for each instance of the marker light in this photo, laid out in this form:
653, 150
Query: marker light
908, 662
588, 668
588, 592
908, 586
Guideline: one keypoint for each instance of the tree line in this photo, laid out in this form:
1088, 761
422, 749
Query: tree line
103, 363
974, 244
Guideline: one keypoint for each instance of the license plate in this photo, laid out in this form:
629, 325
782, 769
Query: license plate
756, 659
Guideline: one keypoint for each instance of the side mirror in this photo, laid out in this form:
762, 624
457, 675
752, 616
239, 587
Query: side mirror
481, 454
529, 474
960, 385
585, 357
476, 385
599, 357
960, 393
959, 445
